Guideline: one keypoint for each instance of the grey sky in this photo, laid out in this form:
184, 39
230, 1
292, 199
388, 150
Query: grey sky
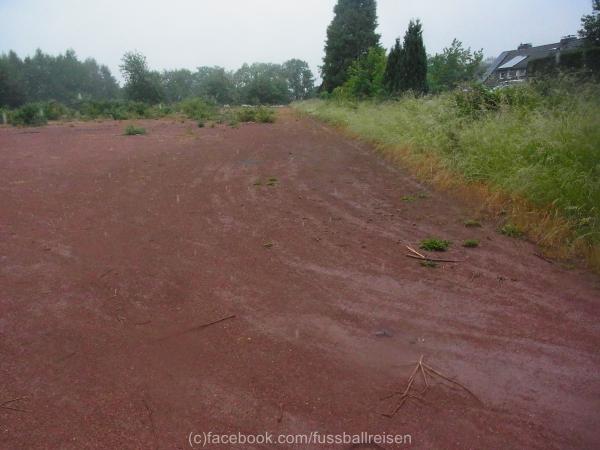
190, 33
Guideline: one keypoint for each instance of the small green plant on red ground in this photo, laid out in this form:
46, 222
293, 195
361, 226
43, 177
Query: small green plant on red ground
471, 243
132, 130
435, 245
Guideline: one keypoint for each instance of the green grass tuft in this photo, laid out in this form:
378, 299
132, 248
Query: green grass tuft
471, 243
132, 130
435, 245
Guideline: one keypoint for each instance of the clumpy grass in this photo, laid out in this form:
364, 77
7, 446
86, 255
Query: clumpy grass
132, 130
258, 114
435, 245
511, 230
530, 150
471, 243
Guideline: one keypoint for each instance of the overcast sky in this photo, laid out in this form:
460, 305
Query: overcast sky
191, 33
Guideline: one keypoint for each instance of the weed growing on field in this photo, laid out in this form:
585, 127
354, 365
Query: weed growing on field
511, 230
471, 243
132, 130
435, 245
408, 198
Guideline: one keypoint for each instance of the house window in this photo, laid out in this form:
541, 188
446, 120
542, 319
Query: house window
502, 75
521, 73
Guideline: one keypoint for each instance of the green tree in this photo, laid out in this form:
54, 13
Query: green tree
215, 84
349, 36
262, 84
365, 76
12, 87
453, 66
394, 69
301, 82
178, 84
140, 84
590, 24
414, 67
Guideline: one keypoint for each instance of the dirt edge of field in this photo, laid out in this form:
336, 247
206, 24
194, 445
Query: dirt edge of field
545, 227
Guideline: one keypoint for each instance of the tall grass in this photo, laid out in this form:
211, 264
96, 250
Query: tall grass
533, 150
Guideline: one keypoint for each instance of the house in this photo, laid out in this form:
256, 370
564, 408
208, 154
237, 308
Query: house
527, 61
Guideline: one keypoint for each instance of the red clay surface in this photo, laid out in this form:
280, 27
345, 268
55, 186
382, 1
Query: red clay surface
115, 249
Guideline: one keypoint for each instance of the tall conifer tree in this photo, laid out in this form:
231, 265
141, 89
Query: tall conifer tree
350, 35
414, 76
394, 68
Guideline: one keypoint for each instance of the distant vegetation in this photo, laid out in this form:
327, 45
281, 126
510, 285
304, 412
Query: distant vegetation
74, 83
45, 87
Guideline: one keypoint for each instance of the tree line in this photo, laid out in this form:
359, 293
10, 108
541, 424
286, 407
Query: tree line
67, 79
356, 65
63, 78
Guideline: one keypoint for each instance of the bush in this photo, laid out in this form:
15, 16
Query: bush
197, 109
246, 114
132, 130
30, 114
55, 111
265, 115
121, 110
259, 114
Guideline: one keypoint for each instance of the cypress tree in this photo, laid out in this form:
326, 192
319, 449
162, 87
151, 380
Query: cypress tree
394, 68
414, 76
349, 36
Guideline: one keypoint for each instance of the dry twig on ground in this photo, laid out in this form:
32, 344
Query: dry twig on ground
426, 373
416, 255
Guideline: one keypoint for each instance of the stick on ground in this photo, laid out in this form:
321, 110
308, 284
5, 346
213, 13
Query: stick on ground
196, 328
433, 259
426, 372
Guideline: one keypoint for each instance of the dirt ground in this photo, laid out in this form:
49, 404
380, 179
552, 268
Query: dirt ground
114, 250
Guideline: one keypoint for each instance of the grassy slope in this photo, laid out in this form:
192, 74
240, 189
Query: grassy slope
540, 161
